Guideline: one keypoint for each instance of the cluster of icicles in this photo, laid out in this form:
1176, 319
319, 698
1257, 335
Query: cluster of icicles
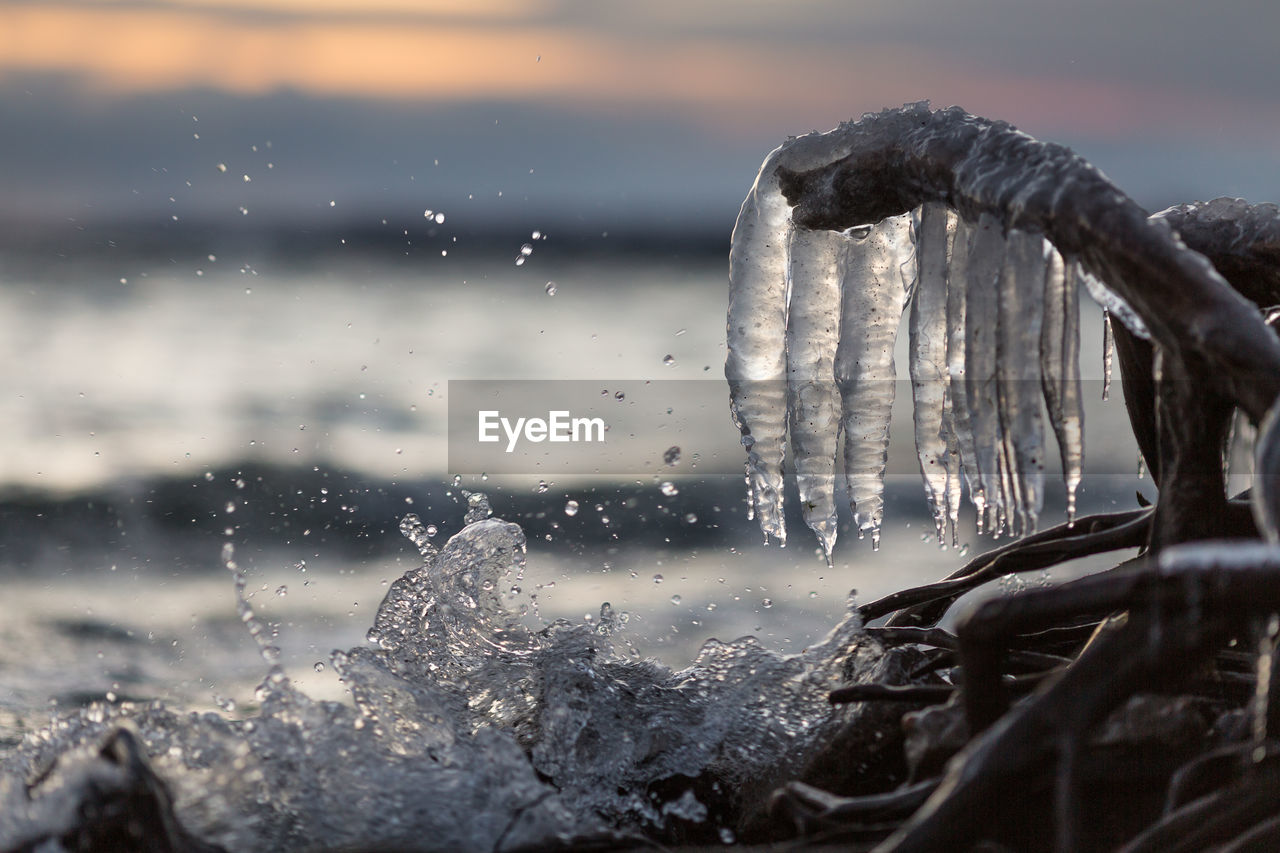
813, 319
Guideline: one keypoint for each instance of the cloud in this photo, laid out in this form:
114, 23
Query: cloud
630, 103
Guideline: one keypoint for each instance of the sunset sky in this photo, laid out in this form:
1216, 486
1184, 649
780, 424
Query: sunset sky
648, 108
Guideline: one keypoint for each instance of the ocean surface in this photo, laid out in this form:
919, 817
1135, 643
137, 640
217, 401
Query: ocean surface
155, 411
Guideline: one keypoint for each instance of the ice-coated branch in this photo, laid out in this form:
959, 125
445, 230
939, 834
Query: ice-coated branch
1007, 226
899, 159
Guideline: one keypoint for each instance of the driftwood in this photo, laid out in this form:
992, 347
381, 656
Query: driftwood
1213, 350
1136, 708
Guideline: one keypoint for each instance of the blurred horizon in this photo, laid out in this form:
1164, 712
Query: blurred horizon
580, 117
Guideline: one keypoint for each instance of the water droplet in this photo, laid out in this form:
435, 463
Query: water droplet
671, 456
571, 508
526, 249
318, 666
657, 578
675, 599
669, 489
230, 507
690, 518
669, 360
222, 167
551, 288
542, 487
766, 602
619, 396
478, 508
282, 590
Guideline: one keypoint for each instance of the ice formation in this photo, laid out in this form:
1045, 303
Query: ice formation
994, 322
994, 328
468, 731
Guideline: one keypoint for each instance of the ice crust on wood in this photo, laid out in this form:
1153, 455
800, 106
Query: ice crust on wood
994, 330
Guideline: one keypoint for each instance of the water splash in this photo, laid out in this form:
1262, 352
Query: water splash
539, 736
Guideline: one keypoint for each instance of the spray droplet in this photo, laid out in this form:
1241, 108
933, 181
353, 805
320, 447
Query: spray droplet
669, 360
657, 578
671, 456
766, 603
551, 288
571, 508
675, 599
669, 489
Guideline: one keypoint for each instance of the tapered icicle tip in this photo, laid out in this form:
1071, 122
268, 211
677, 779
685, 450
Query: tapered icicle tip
825, 532
827, 544
1108, 353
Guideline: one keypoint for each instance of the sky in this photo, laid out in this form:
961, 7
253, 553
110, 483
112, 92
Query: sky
589, 111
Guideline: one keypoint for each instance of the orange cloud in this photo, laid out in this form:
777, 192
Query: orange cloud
468, 49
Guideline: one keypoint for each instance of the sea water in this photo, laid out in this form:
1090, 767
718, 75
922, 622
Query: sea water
158, 415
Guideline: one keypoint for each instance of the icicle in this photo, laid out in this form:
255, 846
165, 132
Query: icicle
928, 326
1112, 304
1108, 353
986, 256
1021, 314
756, 340
874, 297
1238, 452
813, 323
1060, 369
958, 398
1001, 513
